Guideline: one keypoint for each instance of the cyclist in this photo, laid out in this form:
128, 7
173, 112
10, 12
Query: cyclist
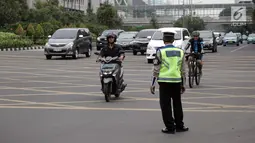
196, 44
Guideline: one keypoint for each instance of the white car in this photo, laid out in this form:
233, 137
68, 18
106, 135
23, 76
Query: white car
181, 40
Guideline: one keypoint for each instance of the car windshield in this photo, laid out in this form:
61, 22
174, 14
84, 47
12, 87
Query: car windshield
205, 34
145, 34
230, 35
65, 34
159, 36
127, 35
252, 35
106, 32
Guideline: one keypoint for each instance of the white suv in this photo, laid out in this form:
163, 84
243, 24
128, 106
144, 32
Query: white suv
181, 40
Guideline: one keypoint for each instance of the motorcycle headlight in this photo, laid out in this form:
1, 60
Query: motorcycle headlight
105, 73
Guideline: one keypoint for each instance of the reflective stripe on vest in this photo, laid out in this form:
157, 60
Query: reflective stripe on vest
170, 68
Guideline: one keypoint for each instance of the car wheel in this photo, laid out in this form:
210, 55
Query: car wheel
150, 61
98, 48
48, 57
237, 44
134, 53
88, 54
248, 43
76, 54
142, 53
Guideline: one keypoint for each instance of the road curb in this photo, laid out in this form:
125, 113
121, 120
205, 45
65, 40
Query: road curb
24, 48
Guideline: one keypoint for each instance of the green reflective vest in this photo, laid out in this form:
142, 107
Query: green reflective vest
171, 62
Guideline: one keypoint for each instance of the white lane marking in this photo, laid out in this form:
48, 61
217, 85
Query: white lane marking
239, 48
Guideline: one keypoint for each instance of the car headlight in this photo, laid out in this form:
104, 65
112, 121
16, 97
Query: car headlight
149, 47
47, 45
98, 39
70, 45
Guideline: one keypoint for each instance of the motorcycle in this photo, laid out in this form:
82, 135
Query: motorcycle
111, 76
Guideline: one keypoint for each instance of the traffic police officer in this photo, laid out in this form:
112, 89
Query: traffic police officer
169, 71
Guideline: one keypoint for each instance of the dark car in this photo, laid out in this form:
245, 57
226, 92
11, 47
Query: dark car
125, 38
101, 40
69, 42
209, 39
139, 44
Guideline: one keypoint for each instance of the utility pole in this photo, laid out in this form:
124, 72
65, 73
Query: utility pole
183, 16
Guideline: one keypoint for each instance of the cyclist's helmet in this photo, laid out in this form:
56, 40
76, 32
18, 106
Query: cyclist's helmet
111, 35
195, 34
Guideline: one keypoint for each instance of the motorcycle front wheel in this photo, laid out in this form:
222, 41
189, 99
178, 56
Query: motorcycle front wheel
107, 93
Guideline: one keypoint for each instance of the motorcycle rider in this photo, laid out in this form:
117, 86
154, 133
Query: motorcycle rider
196, 44
114, 50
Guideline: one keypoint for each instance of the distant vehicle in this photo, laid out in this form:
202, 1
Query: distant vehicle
239, 35
139, 44
231, 38
209, 40
125, 38
101, 40
219, 38
181, 40
251, 38
244, 37
69, 42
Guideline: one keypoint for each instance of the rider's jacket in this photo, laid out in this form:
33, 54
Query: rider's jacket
117, 50
169, 65
196, 45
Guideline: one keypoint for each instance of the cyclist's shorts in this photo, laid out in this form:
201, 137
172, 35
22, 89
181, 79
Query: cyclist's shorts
200, 57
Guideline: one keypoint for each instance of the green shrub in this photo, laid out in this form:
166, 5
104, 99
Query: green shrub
30, 30
10, 40
48, 28
19, 30
96, 29
41, 41
39, 33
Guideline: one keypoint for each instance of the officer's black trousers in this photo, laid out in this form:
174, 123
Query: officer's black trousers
168, 92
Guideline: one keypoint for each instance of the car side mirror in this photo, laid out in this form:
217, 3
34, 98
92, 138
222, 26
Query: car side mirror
96, 53
49, 36
219, 35
80, 36
148, 37
186, 37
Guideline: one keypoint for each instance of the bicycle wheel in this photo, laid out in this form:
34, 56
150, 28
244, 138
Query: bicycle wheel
191, 74
197, 75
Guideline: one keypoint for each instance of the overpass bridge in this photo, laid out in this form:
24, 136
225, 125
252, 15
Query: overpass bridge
168, 14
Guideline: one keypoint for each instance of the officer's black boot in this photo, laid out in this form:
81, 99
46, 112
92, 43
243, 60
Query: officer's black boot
168, 131
181, 129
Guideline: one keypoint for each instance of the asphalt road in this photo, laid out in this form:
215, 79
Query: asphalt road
59, 101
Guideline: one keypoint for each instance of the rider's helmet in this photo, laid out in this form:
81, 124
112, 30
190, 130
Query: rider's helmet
111, 35
195, 34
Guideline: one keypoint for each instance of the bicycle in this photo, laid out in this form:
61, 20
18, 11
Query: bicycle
193, 66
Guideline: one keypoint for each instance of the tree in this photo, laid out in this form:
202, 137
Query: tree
154, 21
39, 32
107, 15
191, 23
